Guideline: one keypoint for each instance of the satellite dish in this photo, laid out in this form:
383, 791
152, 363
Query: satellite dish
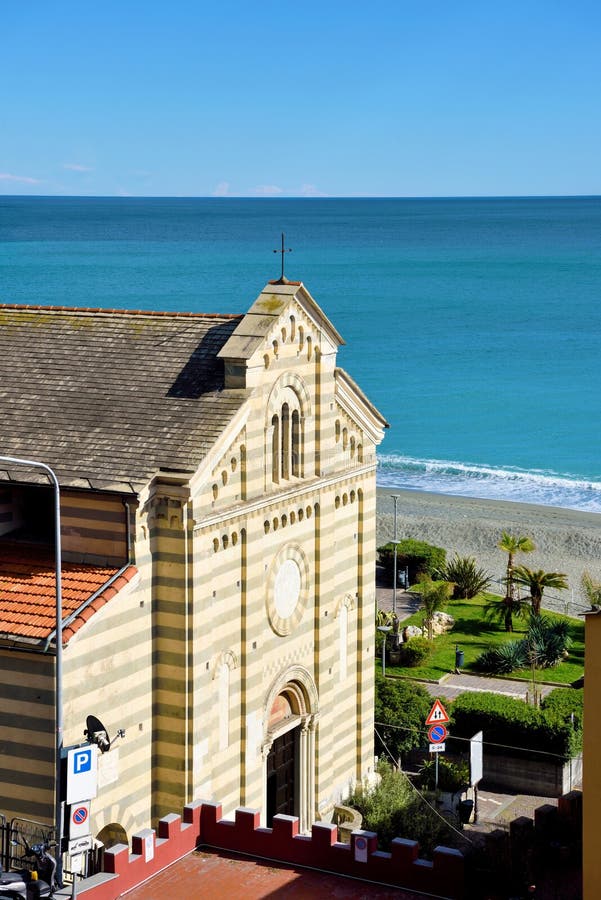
97, 734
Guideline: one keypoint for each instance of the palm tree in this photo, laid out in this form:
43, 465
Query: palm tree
512, 544
537, 581
434, 596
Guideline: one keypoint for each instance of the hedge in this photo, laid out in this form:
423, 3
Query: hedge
513, 723
565, 703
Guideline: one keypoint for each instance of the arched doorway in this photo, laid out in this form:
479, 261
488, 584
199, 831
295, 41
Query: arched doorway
282, 795
289, 749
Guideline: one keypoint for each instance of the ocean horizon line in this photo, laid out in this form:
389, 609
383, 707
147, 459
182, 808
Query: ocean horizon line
315, 197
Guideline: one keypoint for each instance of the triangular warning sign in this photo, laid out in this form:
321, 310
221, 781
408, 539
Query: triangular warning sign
437, 715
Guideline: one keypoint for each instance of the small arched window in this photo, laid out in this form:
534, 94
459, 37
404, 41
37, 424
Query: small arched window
296, 444
285, 441
275, 449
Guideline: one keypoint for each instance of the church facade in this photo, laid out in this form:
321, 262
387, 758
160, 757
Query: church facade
218, 482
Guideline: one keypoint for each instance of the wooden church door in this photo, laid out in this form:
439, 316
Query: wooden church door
281, 776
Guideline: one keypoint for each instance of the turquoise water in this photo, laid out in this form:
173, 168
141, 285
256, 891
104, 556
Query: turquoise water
473, 324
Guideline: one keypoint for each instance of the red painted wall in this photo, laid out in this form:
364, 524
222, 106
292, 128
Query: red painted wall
203, 825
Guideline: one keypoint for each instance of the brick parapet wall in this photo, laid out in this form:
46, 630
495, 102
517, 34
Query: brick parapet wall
203, 825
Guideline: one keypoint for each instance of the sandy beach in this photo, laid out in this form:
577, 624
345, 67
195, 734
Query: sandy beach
566, 540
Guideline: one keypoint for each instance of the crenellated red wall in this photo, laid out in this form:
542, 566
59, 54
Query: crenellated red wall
203, 825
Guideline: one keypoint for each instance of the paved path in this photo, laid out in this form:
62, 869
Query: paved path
454, 684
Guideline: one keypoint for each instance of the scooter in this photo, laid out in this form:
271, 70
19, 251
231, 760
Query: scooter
25, 884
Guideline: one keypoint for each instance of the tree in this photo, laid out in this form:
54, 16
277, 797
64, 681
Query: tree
512, 544
434, 596
536, 581
401, 709
591, 588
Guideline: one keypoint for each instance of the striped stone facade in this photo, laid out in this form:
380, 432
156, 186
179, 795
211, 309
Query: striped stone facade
252, 614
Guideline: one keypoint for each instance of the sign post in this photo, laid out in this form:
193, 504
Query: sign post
436, 720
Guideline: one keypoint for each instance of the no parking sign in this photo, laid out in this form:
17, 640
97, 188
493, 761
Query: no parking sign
79, 820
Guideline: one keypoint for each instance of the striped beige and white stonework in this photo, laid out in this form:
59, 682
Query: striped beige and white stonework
253, 609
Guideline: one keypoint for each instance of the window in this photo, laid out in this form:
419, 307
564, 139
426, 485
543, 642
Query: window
296, 443
288, 411
287, 442
275, 449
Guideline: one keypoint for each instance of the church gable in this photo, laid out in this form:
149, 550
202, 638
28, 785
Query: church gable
356, 411
307, 418
284, 322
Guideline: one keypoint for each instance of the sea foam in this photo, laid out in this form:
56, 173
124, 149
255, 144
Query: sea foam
542, 487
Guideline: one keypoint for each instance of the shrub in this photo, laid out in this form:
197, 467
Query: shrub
591, 589
503, 659
467, 578
415, 651
547, 640
419, 557
393, 809
400, 703
545, 644
452, 776
566, 705
512, 723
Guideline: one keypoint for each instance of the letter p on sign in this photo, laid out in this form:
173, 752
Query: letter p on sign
82, 761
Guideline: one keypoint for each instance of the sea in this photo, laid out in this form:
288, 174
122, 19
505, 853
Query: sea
472, 324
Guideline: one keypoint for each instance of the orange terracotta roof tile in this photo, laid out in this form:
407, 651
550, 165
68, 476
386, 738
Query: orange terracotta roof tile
27, 592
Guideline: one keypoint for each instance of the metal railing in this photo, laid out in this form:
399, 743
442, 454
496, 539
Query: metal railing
566, 602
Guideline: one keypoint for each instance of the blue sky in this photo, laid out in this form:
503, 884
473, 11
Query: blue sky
353, 98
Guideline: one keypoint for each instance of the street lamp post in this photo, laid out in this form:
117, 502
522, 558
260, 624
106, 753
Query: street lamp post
58, 809
384, 629
395, 498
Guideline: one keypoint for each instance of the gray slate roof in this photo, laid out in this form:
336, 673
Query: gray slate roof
108, 397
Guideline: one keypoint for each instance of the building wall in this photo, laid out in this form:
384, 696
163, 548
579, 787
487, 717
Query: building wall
107, 672
247, 525
93, 528
93, 525
27, 735
592, 773
190, 659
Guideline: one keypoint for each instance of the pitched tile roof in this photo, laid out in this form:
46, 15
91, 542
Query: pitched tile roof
107, 397
27, 592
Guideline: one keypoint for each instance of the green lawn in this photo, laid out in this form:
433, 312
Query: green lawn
473, 634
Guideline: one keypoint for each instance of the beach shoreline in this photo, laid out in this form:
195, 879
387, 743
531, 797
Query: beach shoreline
566, 540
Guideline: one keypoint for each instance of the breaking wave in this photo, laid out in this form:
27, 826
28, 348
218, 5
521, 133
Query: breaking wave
545, 488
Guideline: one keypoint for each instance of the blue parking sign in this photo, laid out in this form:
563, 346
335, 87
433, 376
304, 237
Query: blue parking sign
82, 766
